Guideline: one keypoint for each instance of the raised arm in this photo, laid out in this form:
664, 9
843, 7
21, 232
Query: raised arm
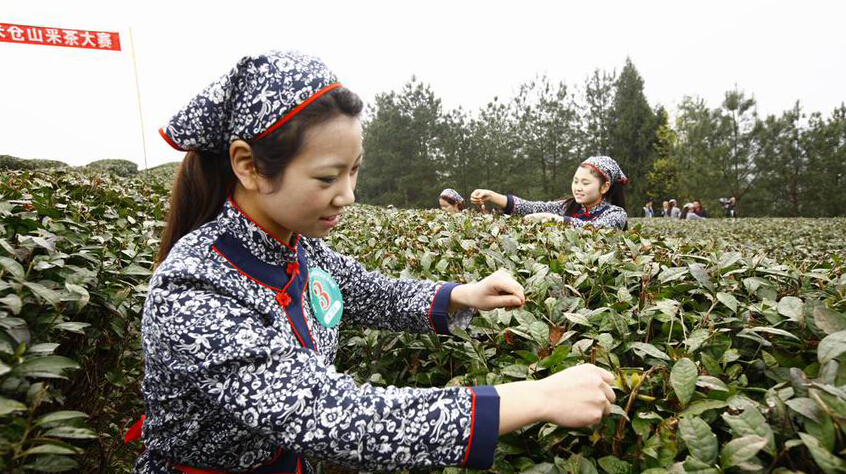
522, 207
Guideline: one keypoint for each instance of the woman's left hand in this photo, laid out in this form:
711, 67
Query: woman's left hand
497, 290
544, 217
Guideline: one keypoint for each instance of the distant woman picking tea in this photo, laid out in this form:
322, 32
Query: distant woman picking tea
450, 200
598, 198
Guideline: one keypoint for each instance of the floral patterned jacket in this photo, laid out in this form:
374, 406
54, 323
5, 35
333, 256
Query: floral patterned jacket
602, 215
239, 375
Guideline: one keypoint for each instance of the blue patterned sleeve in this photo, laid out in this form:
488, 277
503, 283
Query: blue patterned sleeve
297, 400
376, 301
521, 207
613, 218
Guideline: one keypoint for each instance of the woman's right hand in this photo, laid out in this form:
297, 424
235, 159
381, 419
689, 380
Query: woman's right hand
578, 396
481, 196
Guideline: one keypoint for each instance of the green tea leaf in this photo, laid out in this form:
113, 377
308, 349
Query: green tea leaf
702, 406
43, 292
700, 440
51, 449
805, 406
729, 300
576, 319
672, 274
831, 347
751, 423
540, 332
614, 465
8, 406
728, 259
71, 326
51, 463
769, 330
618, 410
828, 462
740, 450
68, 432
701, 275
693, 465
649, 349
13, 267
696, 339
517, 371
683, 379
47, 366
711, 383
540, 468
80, 292
13, 302
791, 308
59, 416
16, 328
827, 320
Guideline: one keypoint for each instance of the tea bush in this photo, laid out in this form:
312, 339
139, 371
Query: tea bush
727, 359
164, 174
8, 162
75, 260
124, 168
727, 337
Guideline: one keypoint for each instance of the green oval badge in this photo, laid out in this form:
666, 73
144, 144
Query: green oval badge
326, 300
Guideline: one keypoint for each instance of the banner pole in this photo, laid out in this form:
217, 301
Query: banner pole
138, 95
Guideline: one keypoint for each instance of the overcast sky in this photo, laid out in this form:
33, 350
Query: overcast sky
79, 105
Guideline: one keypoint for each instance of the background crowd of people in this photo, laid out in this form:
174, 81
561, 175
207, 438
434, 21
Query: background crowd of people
689, 211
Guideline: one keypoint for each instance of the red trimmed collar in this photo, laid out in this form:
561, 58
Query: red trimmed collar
260, 241
595, 209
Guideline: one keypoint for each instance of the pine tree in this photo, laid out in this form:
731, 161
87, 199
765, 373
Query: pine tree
633, 127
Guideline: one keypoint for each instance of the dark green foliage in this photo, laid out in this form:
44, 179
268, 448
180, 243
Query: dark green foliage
8, 162
633, 133
76, 252
163, 175
123, 168
403, 146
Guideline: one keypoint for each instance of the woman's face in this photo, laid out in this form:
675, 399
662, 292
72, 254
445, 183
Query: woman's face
446, 206
318, 183
587, 188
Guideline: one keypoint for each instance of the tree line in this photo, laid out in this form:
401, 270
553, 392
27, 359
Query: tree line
793, 164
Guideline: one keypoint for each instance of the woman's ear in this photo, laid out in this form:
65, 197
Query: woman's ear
241, 159
606, 186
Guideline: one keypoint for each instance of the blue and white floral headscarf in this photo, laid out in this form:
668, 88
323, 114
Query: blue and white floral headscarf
256, 97
452, 195
608, 168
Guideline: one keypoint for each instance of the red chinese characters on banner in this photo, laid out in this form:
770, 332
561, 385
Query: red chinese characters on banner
50, 36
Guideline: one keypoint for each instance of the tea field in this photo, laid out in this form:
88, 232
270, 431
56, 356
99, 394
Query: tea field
728, 337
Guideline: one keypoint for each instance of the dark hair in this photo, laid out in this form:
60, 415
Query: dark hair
206, 179
452, 201
615, 195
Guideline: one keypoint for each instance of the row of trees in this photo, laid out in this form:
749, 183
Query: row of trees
530, 144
